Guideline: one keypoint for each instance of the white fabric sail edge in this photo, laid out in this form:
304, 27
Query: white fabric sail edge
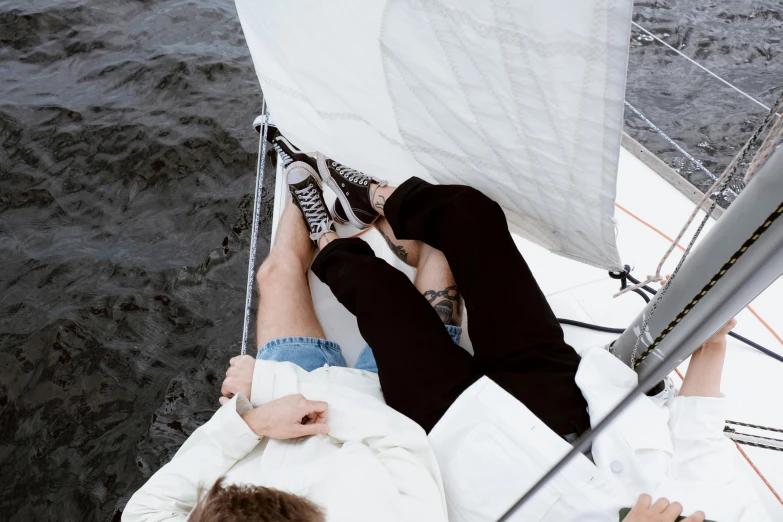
523, 101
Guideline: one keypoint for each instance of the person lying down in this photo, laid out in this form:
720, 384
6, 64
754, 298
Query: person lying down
419, 429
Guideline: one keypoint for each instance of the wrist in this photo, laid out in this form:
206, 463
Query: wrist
711, 350
257, 420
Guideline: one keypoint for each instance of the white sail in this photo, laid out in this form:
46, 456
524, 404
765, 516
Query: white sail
522, 100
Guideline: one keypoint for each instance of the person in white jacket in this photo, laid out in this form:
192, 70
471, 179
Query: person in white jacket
299, 437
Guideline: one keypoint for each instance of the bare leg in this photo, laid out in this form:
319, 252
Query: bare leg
433, 275
285, 306
380, 195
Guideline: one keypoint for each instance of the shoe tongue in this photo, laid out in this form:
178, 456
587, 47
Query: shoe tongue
297, 175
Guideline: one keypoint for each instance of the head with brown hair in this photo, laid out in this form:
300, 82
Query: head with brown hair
246, 503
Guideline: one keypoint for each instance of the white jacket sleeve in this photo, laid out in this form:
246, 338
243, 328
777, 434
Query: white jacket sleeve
700, 448
705, 464
676, 451
172, 492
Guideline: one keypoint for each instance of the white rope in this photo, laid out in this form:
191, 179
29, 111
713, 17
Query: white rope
254, 235
773, 140
723, 180
700, 66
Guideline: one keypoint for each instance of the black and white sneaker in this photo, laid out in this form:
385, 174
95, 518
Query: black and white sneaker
305, 187
286, 151
354, 200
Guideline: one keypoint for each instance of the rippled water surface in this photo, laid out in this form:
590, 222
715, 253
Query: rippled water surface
126, 167
740, 41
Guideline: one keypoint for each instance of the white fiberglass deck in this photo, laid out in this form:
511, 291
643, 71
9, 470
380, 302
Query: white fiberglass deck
648, 210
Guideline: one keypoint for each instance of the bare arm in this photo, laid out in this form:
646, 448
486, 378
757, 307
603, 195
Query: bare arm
704, 371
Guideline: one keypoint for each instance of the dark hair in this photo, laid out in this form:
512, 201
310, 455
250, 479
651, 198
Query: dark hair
245, 503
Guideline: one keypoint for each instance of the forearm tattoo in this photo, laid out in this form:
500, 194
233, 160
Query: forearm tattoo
398, 250
446, 303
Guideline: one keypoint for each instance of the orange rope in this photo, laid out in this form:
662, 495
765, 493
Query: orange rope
762, 321
643, 222
761, 476
752, 465
750, 309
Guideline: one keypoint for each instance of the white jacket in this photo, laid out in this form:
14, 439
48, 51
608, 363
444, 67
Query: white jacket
375, 464
491, 448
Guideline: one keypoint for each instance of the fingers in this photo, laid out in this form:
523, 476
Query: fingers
223, 401
317, 406
227, 389
731, 324
311, 418
643, 502
696, 517
303, 430
237, 358
660, 505
673, 511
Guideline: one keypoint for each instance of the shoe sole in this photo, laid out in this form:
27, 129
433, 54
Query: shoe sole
327, 178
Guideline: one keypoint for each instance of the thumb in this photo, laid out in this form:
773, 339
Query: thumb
312, 429
698, 516
223, 400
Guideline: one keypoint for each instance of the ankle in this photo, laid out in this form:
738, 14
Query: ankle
379, 195
326, 239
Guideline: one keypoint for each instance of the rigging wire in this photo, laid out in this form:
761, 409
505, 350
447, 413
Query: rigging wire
748, 425
722, 184
251, 265
674, 144
700, 66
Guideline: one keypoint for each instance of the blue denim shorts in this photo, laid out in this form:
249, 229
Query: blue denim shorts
310, 353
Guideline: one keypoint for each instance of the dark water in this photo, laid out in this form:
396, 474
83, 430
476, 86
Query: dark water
740, 41
126, 167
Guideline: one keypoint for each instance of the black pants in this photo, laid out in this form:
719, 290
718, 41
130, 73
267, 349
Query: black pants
516, 339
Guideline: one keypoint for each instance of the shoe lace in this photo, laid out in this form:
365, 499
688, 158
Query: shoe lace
286, 159
354, 176
314, 211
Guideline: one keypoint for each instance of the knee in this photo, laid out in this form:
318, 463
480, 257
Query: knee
476, 207
280, 266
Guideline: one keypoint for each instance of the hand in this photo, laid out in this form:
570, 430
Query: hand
661, 511
288, 418
239, 377
718, 341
